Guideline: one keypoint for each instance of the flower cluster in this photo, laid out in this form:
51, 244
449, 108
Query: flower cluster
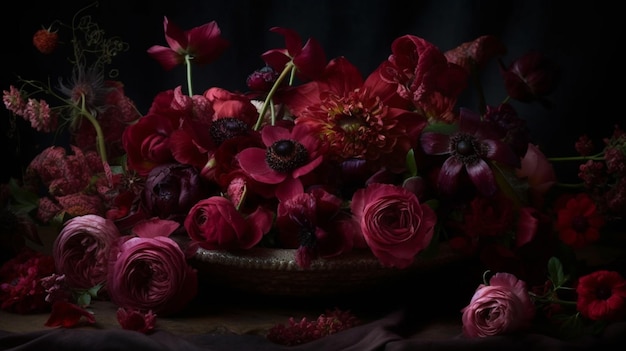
318, 158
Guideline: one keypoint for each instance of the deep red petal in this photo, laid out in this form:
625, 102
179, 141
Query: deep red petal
482, 177
435, 143
252, 161
449, 175
293, 42
175, 37
311, 61
167, 57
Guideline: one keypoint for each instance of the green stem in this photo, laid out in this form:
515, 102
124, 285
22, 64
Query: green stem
188, 65
101, 146
288, 68
597, 157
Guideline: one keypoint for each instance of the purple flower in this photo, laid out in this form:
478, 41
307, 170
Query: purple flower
471, 148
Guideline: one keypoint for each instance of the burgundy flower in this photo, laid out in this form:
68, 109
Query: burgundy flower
171, 190
602, 296
395, 225
135, 320
530, 77
309, 59
502, 307
475, 54
215, 223
471, 148
424, 77
288, 156
578, 222
201, 45
20, 277
312, 223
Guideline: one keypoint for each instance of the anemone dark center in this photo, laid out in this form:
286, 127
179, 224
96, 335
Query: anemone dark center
286, 155
226, 128
467, 148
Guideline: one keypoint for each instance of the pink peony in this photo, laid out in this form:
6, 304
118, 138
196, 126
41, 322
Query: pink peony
395, 225
501, 307
151, 274
81, 250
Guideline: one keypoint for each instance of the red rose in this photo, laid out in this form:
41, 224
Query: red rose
395, 225
215, 223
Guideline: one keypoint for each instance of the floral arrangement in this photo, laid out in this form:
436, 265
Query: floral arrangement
317, 158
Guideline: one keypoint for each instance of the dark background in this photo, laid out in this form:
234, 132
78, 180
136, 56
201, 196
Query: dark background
585, 41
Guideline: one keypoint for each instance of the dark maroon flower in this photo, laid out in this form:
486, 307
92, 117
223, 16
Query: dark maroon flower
311, 222
512, 129
20, 287
530, 77
579, 222
471, 148
262, 79
201, 45
171, 190
309, 59
476, 53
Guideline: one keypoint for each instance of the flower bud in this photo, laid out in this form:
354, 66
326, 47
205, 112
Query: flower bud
262, 79
171, 190
531, 77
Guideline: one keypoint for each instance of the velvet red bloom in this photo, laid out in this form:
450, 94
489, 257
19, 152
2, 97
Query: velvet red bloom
602, 296
578, 222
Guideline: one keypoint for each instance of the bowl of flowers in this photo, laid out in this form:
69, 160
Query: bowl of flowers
317, 180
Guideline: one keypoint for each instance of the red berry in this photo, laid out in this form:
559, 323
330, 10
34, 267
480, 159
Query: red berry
45, 41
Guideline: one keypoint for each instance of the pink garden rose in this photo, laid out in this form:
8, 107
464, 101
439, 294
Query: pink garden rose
501, 307
151, 274
215, 223
81, 250
395, 225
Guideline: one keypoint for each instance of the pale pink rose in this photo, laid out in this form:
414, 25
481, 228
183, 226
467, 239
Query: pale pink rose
81, 250
151, 274
503, 306
215, 223
395, 225
538, 172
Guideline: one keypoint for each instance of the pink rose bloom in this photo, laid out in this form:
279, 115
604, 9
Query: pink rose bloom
395, 225
81, 250
501, 307
151, 274
215, 223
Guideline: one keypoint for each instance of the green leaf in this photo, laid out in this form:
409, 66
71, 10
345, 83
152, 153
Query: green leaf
443, 128
411, 165
555, 272
84, 299
26, 201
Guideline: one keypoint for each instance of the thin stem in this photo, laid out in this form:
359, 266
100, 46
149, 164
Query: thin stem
288, 68
188, 65
597, 157
101, 146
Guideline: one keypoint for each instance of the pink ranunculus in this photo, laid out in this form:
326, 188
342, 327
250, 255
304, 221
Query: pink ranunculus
151, 274
215, 223
81, 250
503, 306
395, 225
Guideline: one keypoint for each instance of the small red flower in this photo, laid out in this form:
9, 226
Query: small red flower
602, 295
579, 223
46, 41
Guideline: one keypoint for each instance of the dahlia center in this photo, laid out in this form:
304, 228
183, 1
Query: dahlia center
286, 155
